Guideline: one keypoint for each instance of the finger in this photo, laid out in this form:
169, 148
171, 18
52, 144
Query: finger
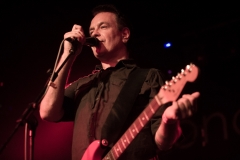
75, 34
192, 97
77, 27
195, 95
171, 113
78, 35
77, 30
184, 109
189, 105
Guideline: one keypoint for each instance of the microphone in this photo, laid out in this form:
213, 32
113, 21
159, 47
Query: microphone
89, 41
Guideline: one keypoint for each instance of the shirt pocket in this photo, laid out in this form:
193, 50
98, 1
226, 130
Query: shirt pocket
113, 89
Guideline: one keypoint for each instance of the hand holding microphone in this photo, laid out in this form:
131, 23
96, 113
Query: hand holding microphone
76, 39
73, 39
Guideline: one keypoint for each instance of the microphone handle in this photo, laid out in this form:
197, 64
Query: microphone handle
89, 41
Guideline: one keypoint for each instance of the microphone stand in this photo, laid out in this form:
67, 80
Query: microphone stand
27, 116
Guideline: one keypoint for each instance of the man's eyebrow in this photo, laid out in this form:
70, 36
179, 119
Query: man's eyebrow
92, 28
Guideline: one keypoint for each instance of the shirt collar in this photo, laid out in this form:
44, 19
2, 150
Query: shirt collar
128, 63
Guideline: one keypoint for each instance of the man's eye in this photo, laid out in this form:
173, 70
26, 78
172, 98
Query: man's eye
90, 32
103, 26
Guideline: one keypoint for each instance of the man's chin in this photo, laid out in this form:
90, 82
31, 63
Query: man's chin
98, 55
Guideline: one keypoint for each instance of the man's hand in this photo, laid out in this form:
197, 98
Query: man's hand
169, 130
182, 108
76, 33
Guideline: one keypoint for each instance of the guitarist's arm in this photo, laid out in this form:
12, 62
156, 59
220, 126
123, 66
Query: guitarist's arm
169, 130
51, 104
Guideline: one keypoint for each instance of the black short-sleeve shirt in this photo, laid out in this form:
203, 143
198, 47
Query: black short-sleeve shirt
89, 100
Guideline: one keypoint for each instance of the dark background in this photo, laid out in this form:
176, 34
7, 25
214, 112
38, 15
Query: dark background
205, 33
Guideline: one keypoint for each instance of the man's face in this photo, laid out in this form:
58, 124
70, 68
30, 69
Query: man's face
104, 27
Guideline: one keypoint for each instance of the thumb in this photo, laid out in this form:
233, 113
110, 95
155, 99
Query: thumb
196, 94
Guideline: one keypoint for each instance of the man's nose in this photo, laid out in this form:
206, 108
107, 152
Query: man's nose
95, 33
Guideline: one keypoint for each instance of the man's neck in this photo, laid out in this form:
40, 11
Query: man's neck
112, 63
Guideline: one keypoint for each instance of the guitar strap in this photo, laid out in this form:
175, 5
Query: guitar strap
123, 105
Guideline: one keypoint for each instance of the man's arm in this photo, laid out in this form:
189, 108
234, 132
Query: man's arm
169, 130
51, 105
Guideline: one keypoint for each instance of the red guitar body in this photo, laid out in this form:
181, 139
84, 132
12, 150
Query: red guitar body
94, 151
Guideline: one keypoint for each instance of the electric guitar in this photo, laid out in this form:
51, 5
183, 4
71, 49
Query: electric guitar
169, 92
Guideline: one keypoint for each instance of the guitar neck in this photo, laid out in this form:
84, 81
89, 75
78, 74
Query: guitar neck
134, 129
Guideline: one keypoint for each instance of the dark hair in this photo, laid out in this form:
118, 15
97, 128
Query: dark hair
121, 20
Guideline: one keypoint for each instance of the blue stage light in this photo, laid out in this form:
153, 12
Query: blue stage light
167, 45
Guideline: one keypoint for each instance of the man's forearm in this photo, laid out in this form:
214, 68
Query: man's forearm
51, 105
167, 134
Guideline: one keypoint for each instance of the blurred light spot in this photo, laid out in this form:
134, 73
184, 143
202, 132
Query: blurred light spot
169, 72
167, 45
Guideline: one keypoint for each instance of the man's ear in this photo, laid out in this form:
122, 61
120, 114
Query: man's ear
125, 34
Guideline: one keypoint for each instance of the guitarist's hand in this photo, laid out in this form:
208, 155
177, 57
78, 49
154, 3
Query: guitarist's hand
169, 130
182, 108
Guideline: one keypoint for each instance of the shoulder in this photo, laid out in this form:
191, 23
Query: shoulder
155, 76
83, 80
